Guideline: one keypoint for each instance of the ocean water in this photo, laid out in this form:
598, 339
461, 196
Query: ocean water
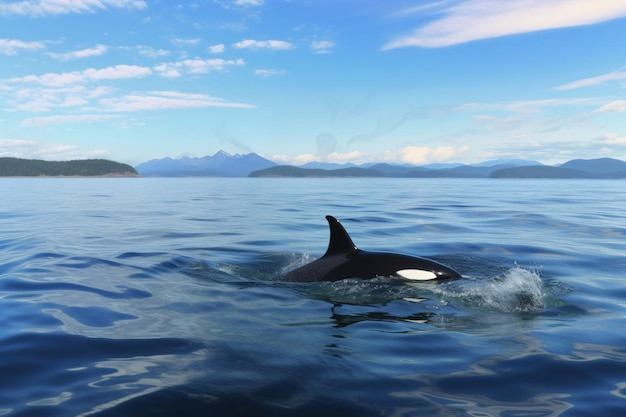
159, 297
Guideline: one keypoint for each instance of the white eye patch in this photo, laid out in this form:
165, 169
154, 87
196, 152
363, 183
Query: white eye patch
416, 274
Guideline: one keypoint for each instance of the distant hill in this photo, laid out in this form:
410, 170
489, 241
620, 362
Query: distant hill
222, 164
291, 171
509, 162
393, 170
16, 167
540, 172
483, 170
603, 168
461, 171
326, 165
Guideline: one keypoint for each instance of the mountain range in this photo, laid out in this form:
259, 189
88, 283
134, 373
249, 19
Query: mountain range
223, 164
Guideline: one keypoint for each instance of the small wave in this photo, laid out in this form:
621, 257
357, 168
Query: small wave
517, 290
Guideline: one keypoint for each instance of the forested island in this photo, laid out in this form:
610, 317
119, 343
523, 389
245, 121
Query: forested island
291, 171
17, 167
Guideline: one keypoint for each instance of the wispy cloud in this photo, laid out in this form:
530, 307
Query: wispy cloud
186, 42
117, 72
114, 72
528, 106
20, 148
560, 150
216, 49
417, 155
83, 53
615, 106
163, 100
322, 47
195, 66
40, 8
42, 99
151, 52
266, 73
472, 20
66, 119
13, 46
16, 147
269, 44
528, 118
600, 79
292, 160
248, 2
420, 155
428, 7
613, 140
90, 91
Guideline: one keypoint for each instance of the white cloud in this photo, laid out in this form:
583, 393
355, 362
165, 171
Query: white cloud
600, 79
293, 160
333, 157
20, 148
420, 155
101, 100
322, 47
39, 8
66, 119
342, 158
527, 106
109, 73
16, 147
164, 100
39, 99
265, 73
116, 72
12, 46
151, 52
422, 8
83, 89
615, 106
195, 66
83, 53
186, 42
472, 20
168, 70
417, 155
560, 150
216, 49
269, 44
248, 2
69, 152
613, 139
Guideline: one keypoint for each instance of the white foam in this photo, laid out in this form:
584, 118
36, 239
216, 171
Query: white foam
516, 290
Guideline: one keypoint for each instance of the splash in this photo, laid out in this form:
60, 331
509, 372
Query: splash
517, 290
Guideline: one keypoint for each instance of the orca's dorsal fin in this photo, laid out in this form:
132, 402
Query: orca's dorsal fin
340, 241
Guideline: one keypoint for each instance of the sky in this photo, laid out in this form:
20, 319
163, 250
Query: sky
398, 81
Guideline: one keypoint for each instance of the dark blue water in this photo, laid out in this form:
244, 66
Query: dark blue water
158, 297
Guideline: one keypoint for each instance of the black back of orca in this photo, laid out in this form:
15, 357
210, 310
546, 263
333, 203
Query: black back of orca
344, 260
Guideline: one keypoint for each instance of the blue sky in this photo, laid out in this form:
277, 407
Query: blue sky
300, 80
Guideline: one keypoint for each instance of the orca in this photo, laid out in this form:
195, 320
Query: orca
344, 260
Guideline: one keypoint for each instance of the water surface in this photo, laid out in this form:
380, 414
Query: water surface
144, 297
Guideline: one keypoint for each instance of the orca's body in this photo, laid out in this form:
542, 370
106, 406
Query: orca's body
344, 260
